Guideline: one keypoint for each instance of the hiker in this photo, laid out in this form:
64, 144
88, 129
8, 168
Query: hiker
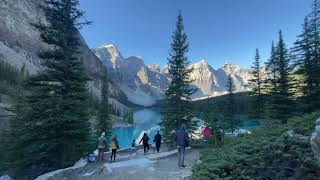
220, 136
133, 146
157, 140
114, 147
182, 140
102, 142
207, 133
145, 140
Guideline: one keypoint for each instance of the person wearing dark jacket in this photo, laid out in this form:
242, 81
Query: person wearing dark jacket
182, 140
157, 140
145, 140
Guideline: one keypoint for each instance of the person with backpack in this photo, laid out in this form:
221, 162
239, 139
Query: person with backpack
114, 147
145, 140
102, 144
157, 140
182, 141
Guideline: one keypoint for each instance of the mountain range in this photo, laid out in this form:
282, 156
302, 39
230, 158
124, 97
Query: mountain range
144, 85
131, 80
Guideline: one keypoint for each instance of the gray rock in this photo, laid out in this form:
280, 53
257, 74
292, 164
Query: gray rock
5, 177
315, 140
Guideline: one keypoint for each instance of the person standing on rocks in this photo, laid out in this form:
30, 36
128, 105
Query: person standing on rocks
114, 147
182, 140
157, 140
102, 142
145, 140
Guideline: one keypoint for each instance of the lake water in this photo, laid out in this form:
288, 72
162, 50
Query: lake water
146, 121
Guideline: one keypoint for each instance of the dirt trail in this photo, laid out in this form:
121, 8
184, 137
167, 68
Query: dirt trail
153, 166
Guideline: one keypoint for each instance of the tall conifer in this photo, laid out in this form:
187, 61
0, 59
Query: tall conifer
281, 93
177, 108
256, 82
51, 128
230, 111
104, 120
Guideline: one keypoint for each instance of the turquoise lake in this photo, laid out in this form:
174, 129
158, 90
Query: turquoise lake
146, 121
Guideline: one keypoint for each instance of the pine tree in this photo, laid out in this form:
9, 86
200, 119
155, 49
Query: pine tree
315, 54
271, 67
177, 108
52, 122
256, 82
130, 117
230, 104
270, 85
307, 56
104, 120
281, 99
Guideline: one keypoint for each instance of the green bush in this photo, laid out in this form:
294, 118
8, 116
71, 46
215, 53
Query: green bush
267, 153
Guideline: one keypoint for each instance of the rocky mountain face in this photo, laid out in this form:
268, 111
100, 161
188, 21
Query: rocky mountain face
20, 45
20, 42
144, 85
131, 79
212, 82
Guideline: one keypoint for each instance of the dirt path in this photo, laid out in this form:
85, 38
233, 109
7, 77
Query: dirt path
158, 166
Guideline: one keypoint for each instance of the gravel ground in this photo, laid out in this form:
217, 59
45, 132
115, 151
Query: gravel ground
153, 166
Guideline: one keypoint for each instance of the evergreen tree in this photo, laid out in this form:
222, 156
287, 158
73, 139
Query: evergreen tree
124, 114
256, 82
281, 93
271, 67
307, 56
270, 85
315, 54
104, 120
8, 73
130, 117
51, 128
230, 104
177, 108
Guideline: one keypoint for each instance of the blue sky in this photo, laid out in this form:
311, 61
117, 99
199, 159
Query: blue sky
218, 30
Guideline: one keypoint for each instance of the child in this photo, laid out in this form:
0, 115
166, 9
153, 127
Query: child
92, 158
153, 146
133, 146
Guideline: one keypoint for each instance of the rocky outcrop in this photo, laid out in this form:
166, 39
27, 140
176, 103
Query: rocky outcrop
20, 43
141, 84
213, 82
315, 140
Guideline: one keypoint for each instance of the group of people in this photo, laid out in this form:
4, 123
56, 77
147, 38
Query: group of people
181, 138
145, 141
218, 135
102, 144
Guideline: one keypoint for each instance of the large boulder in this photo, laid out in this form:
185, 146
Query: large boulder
315, 140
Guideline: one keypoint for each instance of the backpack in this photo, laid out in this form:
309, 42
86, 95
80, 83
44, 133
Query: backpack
92, 158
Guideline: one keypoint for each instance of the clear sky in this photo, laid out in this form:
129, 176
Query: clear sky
218, 30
